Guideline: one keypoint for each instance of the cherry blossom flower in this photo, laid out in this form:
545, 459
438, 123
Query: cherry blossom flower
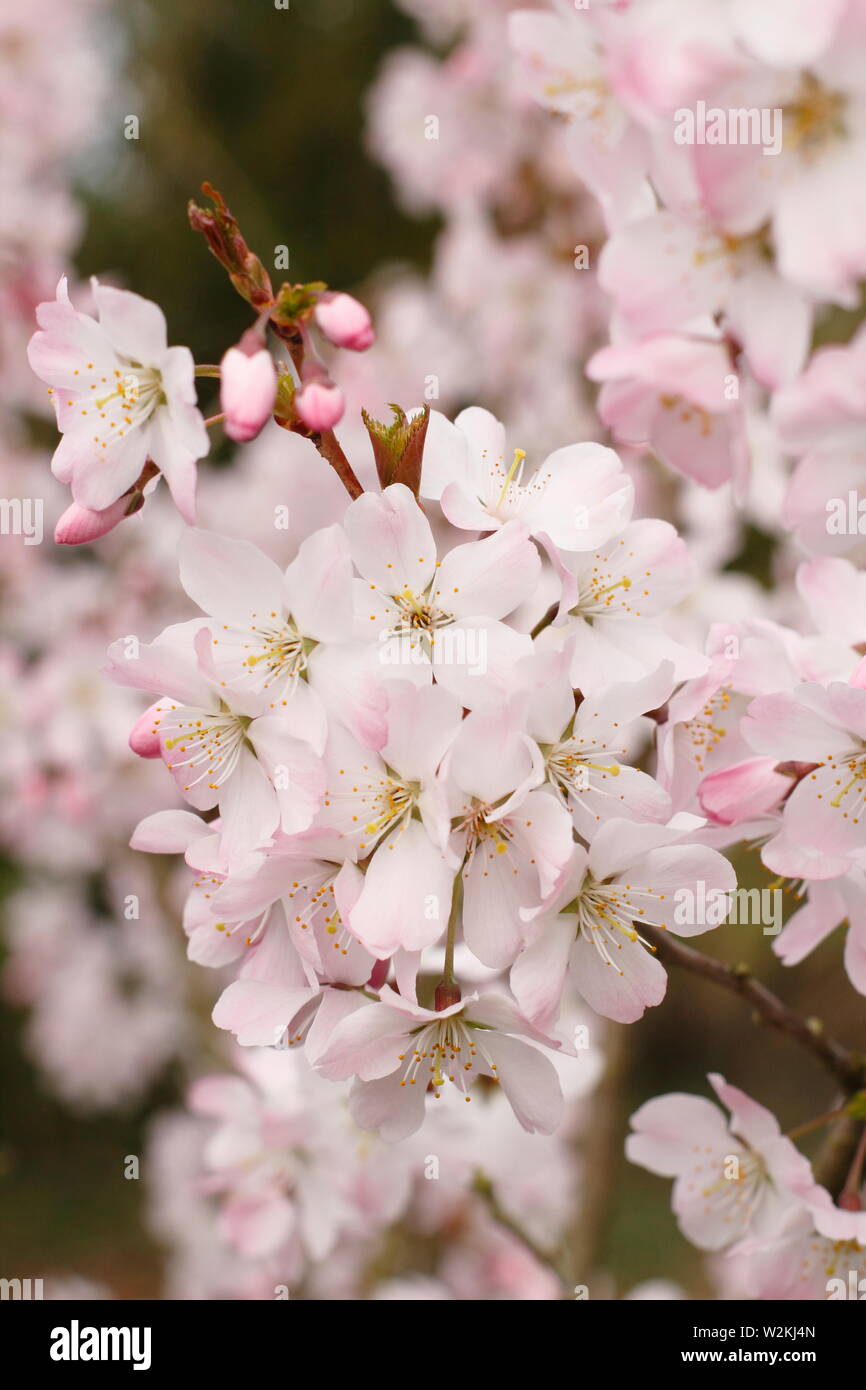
396, 1049
579, 496
823, 730
439, 616
733, 1177
632, 873
235, 751
121, 396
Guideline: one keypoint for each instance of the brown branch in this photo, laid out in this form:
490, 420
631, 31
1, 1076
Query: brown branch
848, 1067
329, 447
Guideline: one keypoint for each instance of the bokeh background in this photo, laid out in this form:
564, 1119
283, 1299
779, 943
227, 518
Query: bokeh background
270, 107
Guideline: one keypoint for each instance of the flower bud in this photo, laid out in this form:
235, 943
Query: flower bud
345, 322
248, 387
320, 405
78, 524
144, 740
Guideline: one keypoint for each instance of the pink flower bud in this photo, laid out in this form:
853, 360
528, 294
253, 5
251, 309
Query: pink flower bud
144, 740
79, 524
320, 405
345, 322
248, 388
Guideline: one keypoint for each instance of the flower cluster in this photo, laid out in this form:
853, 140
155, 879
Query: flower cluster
467, 721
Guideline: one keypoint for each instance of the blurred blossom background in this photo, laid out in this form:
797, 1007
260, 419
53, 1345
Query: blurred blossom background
311, 121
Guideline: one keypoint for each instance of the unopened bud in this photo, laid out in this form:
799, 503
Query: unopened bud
78, 524
344, 322
320, 405
144, 739
248, 388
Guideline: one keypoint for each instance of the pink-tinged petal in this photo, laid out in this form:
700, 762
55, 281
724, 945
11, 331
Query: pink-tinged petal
168, 832
601, 717
349, 681
447, 459
166, 666
538, 975
223, 1098
491, 755
99, 477
211, 947
230, 580
336, 1005
663, 270
784, 727
787, 33
627, 795
834, 591
144, 738
491, 577
318, 587
616, 846
391, 541
422, 724
751, 1121
176, 463
296, 772
529, 1081
784, 855
542, 827
669, 362
395, 1111
825, 812
688, 888
667, 1130
495, 889
406, 896
136, 326
258, 1013
474, 659
811, 924
367, 1043
249, 809
585, 497
77, 525
773, 321
743, 791
465, 511
622, 991
855, 953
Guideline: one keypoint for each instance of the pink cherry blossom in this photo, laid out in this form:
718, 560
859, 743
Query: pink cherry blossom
121, 396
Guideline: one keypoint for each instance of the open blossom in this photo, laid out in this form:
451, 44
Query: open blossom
680, 394
610, 604
121, 396
734, 1176
823, 730
587, 744
590, 926
432, 616
829, 904
511, 840
395, 1049
238, 753
389, 805
579, 496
